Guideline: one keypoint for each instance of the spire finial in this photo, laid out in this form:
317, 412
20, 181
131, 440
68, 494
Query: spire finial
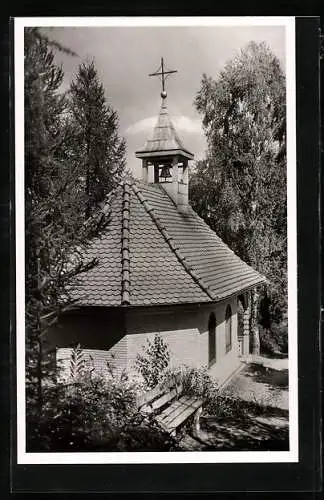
164, 74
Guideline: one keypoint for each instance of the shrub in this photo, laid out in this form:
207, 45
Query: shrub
268, 344
79, 415
280, 333
92, 413
147, 435
153, 362
228, 407
198, 382
195, 382
77, 363
274, 341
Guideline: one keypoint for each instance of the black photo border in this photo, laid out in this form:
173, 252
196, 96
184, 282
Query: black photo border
198, 479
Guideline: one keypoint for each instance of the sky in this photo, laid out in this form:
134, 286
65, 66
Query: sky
124, 56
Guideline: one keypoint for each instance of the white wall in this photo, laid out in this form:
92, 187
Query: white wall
186, 333
184, 329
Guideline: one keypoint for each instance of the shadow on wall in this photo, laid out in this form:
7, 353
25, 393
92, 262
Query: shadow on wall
91, 331
170, 319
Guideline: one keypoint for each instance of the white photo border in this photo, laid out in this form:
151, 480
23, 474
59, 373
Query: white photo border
156, 457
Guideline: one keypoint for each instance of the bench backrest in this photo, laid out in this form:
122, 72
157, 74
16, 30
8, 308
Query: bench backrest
160, 395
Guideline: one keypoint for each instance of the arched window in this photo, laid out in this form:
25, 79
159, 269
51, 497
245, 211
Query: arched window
228, 328
212, 339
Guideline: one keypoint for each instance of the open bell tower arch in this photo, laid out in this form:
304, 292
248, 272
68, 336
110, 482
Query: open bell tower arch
165, 153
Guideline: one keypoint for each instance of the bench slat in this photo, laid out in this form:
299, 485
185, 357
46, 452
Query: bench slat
184, 403
175, 409
182, 416
148, 396
164, 392
155, 405
178, 410
167, 413
169, 396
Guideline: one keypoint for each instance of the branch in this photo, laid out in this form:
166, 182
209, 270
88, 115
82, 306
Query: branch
40, 36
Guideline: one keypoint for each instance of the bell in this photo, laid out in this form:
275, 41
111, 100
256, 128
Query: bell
165, 172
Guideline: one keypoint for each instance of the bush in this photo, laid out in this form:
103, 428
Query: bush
268, 344
228, 407
92, 413
280, 333
198, 382
79, 415
155, 360
195, 382
274, 341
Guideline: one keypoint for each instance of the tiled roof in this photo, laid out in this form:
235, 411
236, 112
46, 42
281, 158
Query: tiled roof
151, 254
165, 139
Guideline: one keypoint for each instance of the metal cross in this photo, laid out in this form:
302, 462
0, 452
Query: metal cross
164, 75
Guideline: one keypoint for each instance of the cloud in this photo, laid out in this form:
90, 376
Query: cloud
181, 123
144, 125
186, 124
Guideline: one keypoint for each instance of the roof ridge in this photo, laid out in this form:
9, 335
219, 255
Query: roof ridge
201, 220
125, 259
103, 210
106, 202
170, 241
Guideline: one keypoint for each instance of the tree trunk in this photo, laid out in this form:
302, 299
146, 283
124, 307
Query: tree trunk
254, 324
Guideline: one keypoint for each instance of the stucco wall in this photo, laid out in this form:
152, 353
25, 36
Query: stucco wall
100, 333
186, 333
117, 336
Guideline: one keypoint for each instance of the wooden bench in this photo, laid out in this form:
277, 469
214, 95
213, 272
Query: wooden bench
170, 407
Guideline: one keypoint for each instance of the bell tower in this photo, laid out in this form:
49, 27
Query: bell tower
165, 153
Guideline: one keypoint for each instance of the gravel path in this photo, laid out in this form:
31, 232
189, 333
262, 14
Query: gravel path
261, 390
264, 381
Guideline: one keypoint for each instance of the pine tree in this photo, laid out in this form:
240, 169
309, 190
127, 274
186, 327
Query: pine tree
100, 150
55, 224
240, 187
43, 108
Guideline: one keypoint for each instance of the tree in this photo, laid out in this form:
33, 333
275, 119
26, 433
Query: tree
95, 139
240, 187
56, 231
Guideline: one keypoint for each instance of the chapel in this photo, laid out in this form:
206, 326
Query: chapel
161, 270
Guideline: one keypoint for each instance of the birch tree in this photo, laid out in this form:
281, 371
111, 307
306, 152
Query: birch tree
240, 186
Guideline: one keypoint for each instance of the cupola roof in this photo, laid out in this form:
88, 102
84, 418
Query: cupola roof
165, 140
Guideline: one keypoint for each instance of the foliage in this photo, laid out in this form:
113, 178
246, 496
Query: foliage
198, 382
276, 341
57, 231
77, 363
94, 142
44, 135
240, 187
42, 37
154, 361
93, 413
224, 406
195, 382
